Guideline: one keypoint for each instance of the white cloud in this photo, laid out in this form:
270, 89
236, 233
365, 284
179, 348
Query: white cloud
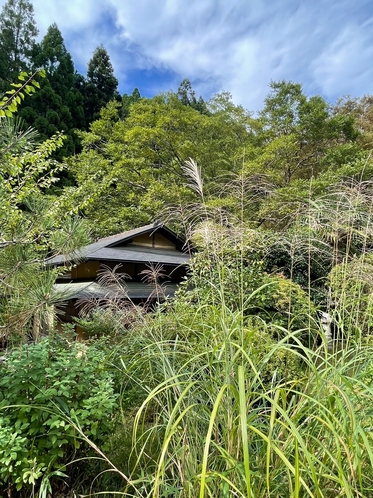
346, 62
238, 45
242, 46
80, 22
70, 16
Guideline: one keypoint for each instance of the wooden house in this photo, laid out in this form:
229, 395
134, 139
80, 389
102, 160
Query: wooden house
131, 253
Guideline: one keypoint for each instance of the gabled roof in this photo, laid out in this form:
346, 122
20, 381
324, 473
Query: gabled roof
116, 248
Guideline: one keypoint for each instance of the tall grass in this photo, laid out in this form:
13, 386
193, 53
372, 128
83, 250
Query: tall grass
215, 424
236, 405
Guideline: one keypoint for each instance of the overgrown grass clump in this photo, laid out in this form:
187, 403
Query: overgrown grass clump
229, 411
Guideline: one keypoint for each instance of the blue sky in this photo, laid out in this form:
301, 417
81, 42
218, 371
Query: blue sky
232, 45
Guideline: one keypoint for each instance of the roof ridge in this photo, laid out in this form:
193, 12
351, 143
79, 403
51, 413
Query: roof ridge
145, 227
103, 242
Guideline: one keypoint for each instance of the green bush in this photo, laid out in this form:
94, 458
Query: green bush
351, 284
50, 392
236, 280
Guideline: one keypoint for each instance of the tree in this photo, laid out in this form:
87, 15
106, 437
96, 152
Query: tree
359, 109
51, 51
187, 96
298, 132
58, 106
101, 84
33, 226
299, 146
127, 101
130, 169
18, 32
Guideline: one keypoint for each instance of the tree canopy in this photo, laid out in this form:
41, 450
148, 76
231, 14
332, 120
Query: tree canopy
101, 85
58, 106
18, 33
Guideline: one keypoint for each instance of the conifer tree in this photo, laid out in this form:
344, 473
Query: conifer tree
18, 32
187, 96
58, 106
128, 100
101, 84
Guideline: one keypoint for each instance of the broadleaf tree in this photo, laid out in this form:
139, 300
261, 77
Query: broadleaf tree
131, 169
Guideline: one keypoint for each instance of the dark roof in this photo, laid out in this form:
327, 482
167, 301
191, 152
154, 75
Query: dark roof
106, 248
140, 255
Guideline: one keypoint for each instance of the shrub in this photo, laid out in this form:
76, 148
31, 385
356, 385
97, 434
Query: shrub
235, 279
351, 286
49, 392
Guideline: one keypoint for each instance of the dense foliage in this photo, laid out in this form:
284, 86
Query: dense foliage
31, 227
59, 105
50, 392
18, 31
